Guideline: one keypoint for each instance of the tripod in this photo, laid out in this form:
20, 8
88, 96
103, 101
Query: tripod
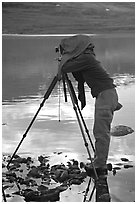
77, 110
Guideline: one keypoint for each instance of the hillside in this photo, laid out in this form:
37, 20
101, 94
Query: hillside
67, 17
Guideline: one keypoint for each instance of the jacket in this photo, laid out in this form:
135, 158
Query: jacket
86, 68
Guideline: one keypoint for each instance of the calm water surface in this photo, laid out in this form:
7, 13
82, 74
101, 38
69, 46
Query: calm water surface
29, 66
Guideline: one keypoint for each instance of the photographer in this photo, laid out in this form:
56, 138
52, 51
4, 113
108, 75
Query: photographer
78, 57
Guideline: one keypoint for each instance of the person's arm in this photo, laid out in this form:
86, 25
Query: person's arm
73, 65
76, 64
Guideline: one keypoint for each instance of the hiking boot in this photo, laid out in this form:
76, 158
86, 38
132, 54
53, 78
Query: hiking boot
91, 171
100, 171
102, 190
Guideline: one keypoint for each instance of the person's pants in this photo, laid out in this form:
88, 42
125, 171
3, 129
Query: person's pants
105, 105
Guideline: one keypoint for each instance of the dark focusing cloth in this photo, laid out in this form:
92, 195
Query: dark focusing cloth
78, 59
85, 68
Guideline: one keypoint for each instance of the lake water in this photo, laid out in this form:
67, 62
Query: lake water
28, 67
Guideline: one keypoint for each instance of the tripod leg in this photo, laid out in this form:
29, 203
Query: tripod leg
87, 131
71, 92
94, 187
3, 193
76, 102
47, 94
87, 190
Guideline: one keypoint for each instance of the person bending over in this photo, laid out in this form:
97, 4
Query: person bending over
78, 58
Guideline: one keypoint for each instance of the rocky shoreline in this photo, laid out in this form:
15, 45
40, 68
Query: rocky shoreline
37, 180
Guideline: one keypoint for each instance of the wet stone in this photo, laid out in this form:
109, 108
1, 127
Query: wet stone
124, 159
8, 195
126, 166
35, 181
49, 195
121, 130
117, 168
109, 166
75, 181
119, 164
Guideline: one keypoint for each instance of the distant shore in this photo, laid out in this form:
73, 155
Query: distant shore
68, 17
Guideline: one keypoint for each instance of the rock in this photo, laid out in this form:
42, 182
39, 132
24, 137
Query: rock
11, 168
46, 181
14, 167
9, 174
124, 159
27, 181
74, 167
26, 191
116, 168
126, 166
80, 176
34, 172
119, 164
42, 188
54, 152
46, 172
64, 176
109, 166
42, 159
19, 160
16, 193
82, 165
58, 166
62, 188
8, 195
121, 130
29, 159
16, 156
7, 186
114, 172
33, 183
75, 181
75, 162
75, 171
4, 123
57, 173
20, 180
59, 153
49, 195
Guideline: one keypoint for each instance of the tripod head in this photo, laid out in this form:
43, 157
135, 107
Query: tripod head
57, 50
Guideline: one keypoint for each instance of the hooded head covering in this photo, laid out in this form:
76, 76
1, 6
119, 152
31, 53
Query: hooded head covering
73, 46
70, 48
